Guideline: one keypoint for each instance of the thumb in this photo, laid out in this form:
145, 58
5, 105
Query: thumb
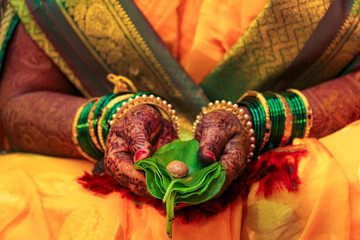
142, 128
213, 133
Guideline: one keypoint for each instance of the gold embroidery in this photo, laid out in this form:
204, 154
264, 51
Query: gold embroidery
267, 47
340, 52
106, 28
5, 23
39, 37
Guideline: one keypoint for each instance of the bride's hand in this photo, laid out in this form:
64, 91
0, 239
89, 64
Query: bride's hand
223, 138
136, 135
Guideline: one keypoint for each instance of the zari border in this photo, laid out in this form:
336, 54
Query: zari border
42, 41
8, 23
77, 57
342, 50
131, 46
182, 89
266, 49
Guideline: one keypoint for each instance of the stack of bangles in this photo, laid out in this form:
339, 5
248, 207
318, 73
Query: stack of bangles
93, 119
277, 118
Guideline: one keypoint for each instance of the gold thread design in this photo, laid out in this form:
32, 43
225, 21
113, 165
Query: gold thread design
145, 51
5, 23
39, 37
339, 53
266, 49
106, 28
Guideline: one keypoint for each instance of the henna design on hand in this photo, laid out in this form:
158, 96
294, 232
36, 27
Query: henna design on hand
335, 104
135, 136
30, 83
167, 135
222, 137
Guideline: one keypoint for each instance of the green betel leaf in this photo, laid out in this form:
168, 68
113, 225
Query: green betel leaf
201, 183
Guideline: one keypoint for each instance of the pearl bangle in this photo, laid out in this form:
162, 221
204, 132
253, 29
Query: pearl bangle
164, 106
239, 113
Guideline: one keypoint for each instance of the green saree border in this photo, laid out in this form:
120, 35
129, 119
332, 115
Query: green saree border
135, 49
42, 41
76, 55
275, 39
7, 26
343, 49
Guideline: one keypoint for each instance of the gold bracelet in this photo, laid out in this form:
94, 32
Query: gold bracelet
91, 126
309, 119
288, 120
75, 132
243, 118
265, 106
150, 100
103, 114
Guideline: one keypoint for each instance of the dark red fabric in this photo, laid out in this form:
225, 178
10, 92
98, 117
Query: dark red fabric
275, 170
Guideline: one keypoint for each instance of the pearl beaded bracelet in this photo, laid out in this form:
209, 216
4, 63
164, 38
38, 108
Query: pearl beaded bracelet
239, 113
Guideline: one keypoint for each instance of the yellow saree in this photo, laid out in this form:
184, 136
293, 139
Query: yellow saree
39, 195
40, 199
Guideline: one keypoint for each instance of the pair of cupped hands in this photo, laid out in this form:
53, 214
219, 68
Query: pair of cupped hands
142, 130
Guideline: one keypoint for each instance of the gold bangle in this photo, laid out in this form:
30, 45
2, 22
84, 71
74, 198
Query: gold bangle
288, 120
91, 126
309, 119
151, 100
265, 106
243, 118
103, 114
75, 132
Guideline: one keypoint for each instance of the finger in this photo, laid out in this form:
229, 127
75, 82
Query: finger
115, 142
168, 134
234, 157
140, 189
120, 166
142, 126
213, 132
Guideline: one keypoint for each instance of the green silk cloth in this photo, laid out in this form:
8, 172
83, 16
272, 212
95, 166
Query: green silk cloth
291, 43
201, 183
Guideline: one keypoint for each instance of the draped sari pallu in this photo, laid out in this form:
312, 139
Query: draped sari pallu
290, 44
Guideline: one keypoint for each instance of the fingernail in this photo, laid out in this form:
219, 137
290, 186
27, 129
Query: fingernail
210, 154
140, 155
207, 158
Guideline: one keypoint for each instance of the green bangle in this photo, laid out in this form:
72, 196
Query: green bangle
277, 116
96, 114
258, 116
298, 113
262, 104
84, 139
308, 116
103, 124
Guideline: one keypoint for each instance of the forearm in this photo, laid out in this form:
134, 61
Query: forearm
335, 104
42, 122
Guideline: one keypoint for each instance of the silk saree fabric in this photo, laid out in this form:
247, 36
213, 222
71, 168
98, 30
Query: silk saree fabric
227, 51
40, 199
